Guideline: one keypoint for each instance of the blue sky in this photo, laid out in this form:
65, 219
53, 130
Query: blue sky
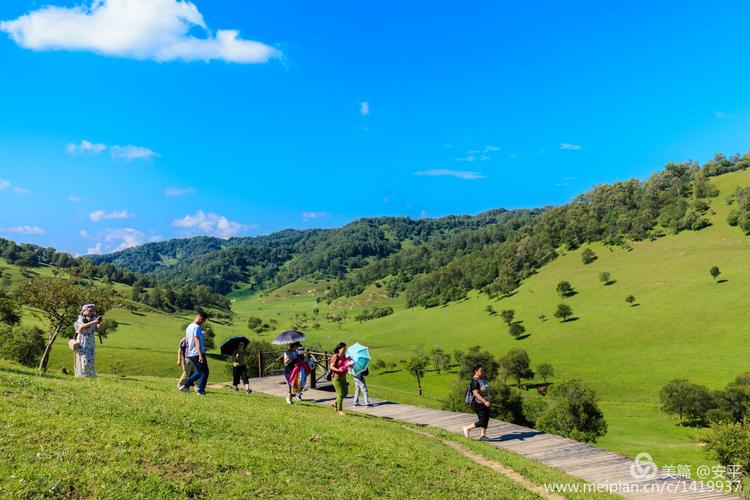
192, 128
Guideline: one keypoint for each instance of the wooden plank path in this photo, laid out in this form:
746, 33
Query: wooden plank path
592, 464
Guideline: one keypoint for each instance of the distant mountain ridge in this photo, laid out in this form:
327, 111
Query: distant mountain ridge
289, 254
439, 260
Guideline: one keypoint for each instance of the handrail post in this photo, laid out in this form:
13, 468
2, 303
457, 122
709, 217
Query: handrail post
260, 364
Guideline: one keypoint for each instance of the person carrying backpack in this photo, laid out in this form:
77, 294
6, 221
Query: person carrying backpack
478, 397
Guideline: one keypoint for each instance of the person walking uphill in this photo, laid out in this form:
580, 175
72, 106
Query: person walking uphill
360, 386
291, 358
480, 402
239, 368
183, 361
85, 328
196, 352
339, 366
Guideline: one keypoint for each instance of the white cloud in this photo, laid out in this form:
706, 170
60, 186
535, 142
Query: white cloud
99, 215
96, 249
21, 191
306, 216
26, 229
211, 224
130, 152
85, 148
114, 240
570, 147
364, 108
470, 157
491, 148
159, 30
444, 172
176, 191
720, 114
74, 199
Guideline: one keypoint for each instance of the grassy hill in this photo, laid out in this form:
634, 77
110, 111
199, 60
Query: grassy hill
137, 437
684, 326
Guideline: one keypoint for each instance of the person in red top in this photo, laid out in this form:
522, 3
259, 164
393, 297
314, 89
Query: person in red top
339, 366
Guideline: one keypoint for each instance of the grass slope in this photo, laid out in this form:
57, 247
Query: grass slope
684, 326
137, 437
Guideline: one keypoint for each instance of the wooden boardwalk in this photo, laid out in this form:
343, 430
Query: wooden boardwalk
592, 464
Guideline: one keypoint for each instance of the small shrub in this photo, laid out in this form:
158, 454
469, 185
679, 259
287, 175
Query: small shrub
22, 344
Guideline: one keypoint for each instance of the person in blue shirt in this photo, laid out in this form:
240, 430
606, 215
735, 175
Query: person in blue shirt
196, 352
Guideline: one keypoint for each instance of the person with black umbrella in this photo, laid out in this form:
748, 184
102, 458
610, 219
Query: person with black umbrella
239, 367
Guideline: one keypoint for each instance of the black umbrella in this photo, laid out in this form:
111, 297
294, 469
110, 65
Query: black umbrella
230, 344
289, 337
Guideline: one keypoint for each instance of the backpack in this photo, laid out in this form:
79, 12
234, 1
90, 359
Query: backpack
469, 396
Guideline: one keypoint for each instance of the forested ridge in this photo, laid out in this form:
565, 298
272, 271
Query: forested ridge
434, 261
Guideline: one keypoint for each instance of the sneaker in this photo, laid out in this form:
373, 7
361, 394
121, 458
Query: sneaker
298, 397
200, 393
236, 389
355, 405
182, 388
288, 399
248, 390
484, 438
341, 413
466, 431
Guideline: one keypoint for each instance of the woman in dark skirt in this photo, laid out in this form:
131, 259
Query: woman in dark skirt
481, 402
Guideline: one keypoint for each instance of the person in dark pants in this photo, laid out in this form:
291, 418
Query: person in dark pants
196, 352
239, 368
481, 402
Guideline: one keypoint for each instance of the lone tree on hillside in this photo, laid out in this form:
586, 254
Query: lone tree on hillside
10, 311
573, 412
545, 370
685, 399
563, 312
440, 359
517, 365
630, 299
588, 256
508, 315
605, 277
58, 302
715, 272
565, 289
490, 310
516, 330
108, 326
416, 367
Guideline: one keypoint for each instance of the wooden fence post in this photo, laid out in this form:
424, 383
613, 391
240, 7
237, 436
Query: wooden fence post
260, 364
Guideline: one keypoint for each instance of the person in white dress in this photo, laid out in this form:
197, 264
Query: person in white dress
85, 328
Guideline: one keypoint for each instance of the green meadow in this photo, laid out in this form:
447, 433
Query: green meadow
136, 437
684, 325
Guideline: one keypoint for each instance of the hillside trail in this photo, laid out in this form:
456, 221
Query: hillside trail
490, 464
605, 470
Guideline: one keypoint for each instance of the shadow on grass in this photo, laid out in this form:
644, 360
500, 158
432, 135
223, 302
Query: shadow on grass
637, 304
571, 319
721, 281
524, 336
610, 282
